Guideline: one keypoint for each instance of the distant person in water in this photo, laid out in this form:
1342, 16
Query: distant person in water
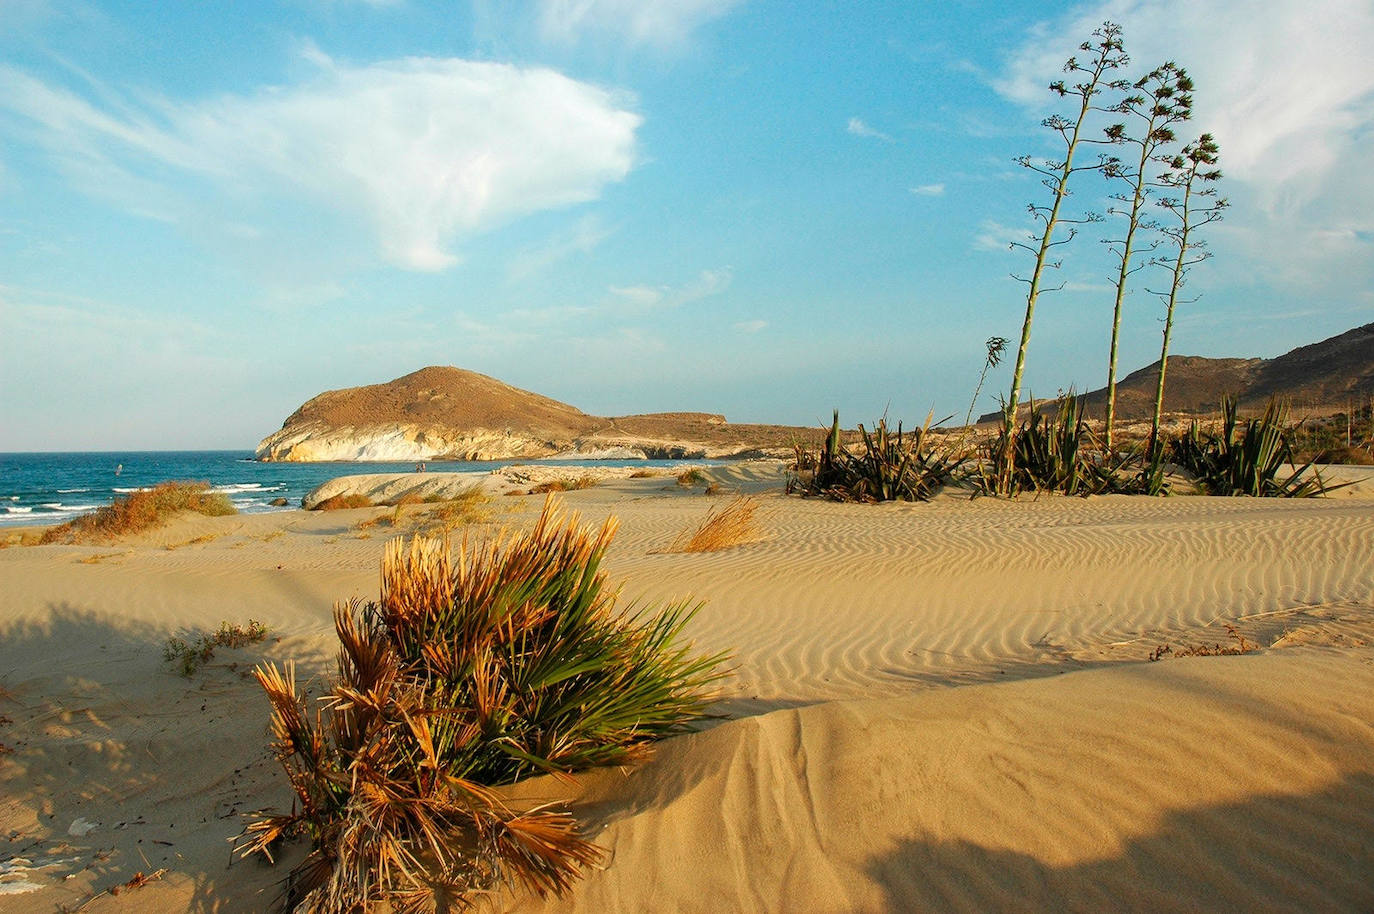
119, 469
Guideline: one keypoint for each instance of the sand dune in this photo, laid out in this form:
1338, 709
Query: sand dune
934, 707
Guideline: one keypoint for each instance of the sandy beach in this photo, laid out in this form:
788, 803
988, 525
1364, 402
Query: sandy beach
946, 706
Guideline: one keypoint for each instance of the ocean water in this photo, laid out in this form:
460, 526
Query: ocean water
51, 488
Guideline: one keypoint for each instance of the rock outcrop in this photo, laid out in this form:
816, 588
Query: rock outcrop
448, 413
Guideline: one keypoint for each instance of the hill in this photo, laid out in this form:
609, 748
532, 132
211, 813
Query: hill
1331, 373
445, 412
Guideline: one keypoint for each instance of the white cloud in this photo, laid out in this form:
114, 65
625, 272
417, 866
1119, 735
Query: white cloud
1286, 88
995, 236
424, 151
857, 127
751, 326
646, 298
638, 296
928, 190
660, 23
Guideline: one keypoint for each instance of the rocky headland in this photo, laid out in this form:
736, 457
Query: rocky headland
448, 413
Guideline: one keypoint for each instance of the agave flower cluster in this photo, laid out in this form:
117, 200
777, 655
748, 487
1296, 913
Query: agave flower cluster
509, 660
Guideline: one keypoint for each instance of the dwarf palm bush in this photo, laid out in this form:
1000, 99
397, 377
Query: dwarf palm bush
893, 466
1246, 458
511, 661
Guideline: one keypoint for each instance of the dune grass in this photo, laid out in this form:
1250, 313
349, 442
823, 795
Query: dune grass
565, 484
139, 511
344, 503
189, 656
691, 478
510, 660
731, 525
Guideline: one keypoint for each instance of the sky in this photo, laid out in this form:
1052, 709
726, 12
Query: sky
210, 212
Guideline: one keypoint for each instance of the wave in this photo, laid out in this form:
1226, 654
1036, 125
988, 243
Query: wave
71, 491
14, 509
232, 487
135, 489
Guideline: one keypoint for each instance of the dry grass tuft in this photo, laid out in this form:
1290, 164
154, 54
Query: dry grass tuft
21, 538
1239, 645
194, 541
508, 660
140, 511
644, 474
344, 503
565, 484
731, 525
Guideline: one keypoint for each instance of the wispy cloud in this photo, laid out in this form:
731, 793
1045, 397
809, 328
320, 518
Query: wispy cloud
857, 127
751, 326
660, 23
583, 237
995, 236
1288, 94
646, 297
928, 190
422, 151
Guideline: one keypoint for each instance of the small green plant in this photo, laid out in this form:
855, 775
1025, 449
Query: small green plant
1247, 457
140, 511
189, 657
691, 478
511, 661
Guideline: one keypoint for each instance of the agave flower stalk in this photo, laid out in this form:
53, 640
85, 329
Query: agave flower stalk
1108, 55
1162, 98
1193, 172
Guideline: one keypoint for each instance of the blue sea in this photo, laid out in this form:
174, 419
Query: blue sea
51, 488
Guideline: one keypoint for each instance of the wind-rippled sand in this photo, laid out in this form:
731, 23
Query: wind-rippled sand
942, 707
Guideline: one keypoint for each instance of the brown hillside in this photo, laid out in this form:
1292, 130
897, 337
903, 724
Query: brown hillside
1331, 373
445, 396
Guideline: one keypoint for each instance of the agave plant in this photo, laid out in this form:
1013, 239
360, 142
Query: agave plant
1247, 457
894, 466
512, 660
1048, 455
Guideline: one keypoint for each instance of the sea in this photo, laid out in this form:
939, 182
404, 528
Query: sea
51, 488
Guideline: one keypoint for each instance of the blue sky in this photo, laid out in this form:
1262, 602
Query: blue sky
211, 212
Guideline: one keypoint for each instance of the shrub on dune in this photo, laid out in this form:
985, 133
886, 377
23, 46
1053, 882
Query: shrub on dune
1247, 457
344, 503
140, 511
892, 466
510, 661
